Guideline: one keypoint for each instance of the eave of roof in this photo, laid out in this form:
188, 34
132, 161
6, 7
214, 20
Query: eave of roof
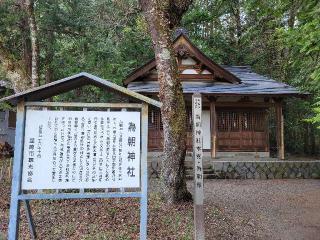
136, 73
252, 84
66, 84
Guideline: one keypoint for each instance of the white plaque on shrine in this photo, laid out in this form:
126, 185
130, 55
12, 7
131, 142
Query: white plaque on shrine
81, 149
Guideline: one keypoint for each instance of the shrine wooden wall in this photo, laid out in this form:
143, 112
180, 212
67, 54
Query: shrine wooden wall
238, 129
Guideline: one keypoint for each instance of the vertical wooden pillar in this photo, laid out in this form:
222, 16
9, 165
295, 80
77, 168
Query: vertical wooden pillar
280, 128
213, 126
267, 132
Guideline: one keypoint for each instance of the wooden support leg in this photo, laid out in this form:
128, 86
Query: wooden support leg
30, 219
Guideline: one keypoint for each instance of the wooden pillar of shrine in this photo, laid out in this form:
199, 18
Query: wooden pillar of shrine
279, 128
213, 126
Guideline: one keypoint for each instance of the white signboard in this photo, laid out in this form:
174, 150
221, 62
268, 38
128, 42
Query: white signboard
198, 169
197, 147
81, 149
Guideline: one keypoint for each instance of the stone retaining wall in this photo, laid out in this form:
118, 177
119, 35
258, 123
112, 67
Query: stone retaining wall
266, 169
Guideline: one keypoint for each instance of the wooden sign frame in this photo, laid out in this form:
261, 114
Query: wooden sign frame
18, 196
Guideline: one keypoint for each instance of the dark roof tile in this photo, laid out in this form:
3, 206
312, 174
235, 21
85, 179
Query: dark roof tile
251, 84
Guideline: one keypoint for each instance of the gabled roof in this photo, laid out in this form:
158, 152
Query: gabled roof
251, 84
196, 52
67, 84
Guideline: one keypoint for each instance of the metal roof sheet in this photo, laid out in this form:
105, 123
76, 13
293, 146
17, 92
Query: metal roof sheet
251, 84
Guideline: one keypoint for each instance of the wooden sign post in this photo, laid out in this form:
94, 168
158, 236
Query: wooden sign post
198, 169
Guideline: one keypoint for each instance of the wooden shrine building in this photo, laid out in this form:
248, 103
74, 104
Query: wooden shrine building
235, 102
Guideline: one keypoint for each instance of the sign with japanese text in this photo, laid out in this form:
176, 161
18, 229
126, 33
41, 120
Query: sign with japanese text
197, 147
198, 166
81, 149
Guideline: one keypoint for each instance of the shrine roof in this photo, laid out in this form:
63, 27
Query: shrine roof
182, 44
251, 84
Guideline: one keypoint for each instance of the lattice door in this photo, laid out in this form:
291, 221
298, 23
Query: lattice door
242, 130
155, 136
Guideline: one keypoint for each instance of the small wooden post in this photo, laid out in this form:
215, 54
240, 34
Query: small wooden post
280, 128
213, 126
198, 168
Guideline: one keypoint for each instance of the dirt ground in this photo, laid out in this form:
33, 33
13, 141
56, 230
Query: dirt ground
265, 209
234, 209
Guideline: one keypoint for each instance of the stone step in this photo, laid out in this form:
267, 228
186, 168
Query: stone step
205, 166
205, 171
205, 176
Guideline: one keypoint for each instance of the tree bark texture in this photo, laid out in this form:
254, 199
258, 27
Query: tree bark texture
34, 43
15, 70
162, 17
49, 57
26, 43
18, 71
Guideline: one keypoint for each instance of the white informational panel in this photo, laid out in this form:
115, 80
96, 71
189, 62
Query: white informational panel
81, 149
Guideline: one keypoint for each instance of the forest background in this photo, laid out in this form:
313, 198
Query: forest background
110, 38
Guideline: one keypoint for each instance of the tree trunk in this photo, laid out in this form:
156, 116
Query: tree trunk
294, 6
49, 57
162, 17
15, 70
26, 44
18, 71
34, 43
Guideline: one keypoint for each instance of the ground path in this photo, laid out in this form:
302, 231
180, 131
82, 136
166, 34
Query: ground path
234, 209
263, 209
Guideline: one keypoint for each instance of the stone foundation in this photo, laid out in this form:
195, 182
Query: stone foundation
266, 169
247, 169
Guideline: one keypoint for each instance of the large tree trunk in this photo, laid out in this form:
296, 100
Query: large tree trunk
162, 17
49, 57
26, 44
18, 71
34, 43
15, 70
